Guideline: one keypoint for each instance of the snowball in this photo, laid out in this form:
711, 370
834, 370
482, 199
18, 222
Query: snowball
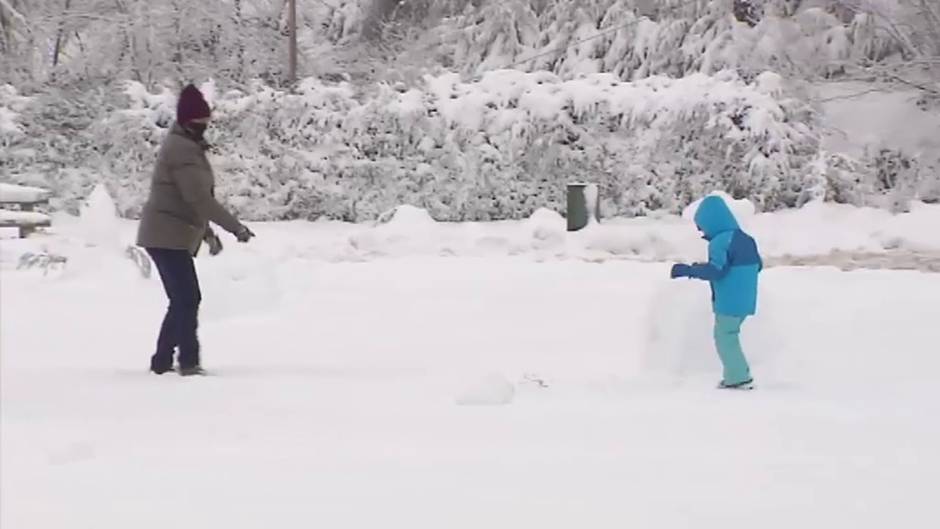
543, 216
546, 227
490, 390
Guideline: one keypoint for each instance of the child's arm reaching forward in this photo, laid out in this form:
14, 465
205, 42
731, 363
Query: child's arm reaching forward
717, 265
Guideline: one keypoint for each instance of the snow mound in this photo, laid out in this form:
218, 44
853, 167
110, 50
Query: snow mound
405, 230
406, 218
489, 390
100, 226
547, 227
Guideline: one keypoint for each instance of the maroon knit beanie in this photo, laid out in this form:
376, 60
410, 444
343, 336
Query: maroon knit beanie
191, 105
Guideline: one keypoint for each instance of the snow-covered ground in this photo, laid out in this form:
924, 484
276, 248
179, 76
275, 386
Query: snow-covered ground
354, 389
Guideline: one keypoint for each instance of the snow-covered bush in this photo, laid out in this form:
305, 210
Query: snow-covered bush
11, 103
638, 38
496, 148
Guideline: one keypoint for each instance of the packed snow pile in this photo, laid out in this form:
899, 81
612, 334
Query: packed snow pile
547, 227
99, 221
680, 329
406, 219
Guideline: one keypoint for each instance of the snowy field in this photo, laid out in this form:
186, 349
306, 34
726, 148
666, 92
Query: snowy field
467, 376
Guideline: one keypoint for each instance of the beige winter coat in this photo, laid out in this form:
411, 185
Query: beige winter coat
181, 202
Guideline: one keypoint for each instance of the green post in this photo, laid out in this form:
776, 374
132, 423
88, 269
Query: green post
583, 205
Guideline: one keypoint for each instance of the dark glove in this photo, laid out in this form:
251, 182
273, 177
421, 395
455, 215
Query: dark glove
680, 270
215, 244
244, 234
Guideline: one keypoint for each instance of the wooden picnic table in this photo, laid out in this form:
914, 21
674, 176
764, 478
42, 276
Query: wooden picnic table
24, 199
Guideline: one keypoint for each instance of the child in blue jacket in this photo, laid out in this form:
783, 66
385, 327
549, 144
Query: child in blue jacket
732, 269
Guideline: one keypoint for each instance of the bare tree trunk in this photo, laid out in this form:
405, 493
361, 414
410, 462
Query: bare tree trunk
4, 31
292, 36
239, 42
60, 36
178, 56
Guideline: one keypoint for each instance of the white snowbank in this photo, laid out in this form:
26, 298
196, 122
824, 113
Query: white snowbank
816, 229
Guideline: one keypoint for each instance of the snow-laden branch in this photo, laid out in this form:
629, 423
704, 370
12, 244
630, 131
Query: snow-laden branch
16, 14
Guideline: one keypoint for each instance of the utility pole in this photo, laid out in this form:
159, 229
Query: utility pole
292, 35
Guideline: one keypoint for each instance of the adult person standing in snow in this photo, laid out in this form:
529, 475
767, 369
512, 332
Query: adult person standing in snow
733, 266
174, 223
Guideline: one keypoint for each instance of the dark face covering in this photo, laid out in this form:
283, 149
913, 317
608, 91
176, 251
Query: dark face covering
198, 130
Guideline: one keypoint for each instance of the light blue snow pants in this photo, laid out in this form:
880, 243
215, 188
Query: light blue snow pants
728, 343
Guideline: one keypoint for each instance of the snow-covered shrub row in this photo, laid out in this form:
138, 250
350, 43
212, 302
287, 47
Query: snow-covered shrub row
500, 147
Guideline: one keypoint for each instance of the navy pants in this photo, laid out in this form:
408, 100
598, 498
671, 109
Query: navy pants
178, 274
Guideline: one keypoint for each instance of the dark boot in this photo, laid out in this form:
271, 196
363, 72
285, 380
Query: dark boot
193, 371
160, 370
161, 363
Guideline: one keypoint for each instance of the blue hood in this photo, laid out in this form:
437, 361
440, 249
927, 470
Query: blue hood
713, 217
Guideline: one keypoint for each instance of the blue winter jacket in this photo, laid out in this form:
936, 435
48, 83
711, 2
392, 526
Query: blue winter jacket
733, 260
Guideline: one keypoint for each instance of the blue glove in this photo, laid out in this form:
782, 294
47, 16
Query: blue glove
680, 270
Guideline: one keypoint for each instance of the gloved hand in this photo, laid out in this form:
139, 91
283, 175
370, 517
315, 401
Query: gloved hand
680, 270
213, 241
244, 234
